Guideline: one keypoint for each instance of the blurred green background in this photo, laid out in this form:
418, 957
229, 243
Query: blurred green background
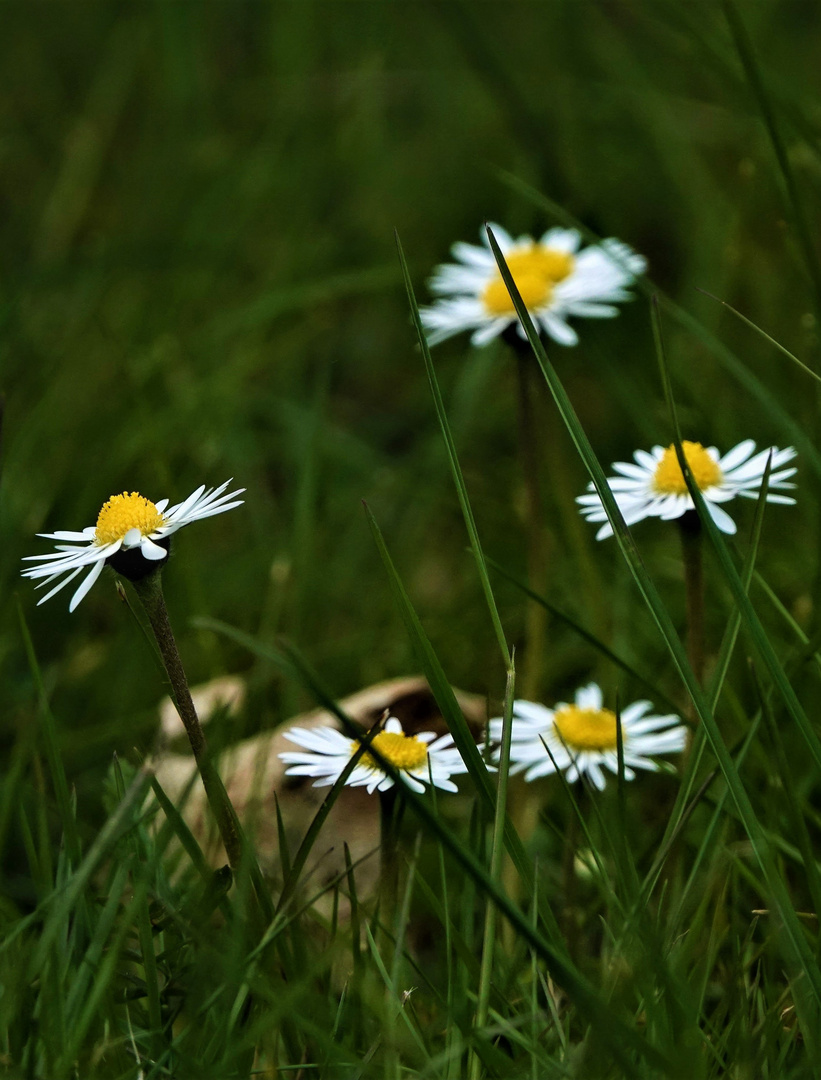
199, 280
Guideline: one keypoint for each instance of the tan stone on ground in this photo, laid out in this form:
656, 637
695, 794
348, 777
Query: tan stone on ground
255, 779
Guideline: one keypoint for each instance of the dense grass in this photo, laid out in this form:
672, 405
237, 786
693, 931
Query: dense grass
200, 280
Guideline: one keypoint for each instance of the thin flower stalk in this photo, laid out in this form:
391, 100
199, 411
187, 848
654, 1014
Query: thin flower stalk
496, 860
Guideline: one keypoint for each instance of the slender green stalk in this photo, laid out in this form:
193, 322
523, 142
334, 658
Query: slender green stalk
239, 852
691, 554
388, 866
537, 552
595, 642
754, 326
149, 590
496, 857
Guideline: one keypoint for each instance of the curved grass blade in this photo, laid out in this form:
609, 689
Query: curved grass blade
586, 635
754, 326
747, 56
496, 850
801, 957
458, 478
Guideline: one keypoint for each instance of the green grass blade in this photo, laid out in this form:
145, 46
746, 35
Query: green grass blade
496, 850
752, 70
63, 902
48, 727
456, 469
798, 824
591, 639
763, 333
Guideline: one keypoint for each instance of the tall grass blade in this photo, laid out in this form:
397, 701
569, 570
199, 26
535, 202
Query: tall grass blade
591, 639
752, 70
456, 469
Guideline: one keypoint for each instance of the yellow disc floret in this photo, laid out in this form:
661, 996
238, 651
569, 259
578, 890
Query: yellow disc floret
668, 479
125, 512
402, 751
586, 729
535, 270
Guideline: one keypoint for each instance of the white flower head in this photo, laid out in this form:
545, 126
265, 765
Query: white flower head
583, 738
131, 530
654, 485
420, 759
555, 279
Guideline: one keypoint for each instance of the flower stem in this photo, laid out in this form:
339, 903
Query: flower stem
496, 859
149, 590
537, 555
388, 861
690, 527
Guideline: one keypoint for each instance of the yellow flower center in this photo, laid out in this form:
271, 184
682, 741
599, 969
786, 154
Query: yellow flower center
668, 479
125, 512
586, 729
402, 751
535, 269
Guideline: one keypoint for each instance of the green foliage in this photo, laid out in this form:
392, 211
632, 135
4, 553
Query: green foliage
198, 279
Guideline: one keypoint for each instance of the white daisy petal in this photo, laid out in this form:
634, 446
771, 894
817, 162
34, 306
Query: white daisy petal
88, 581
738, 454
558, 329
722, 519
589, 697
57, 588
151, 551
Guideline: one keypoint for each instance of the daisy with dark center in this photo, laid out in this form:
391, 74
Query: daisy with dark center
583, 738
655, 486
556, 280
131, 535
419, 759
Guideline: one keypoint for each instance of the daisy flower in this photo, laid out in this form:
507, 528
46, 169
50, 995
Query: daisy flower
582, 737
655, 487
555, 280
132, 534
420, 759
